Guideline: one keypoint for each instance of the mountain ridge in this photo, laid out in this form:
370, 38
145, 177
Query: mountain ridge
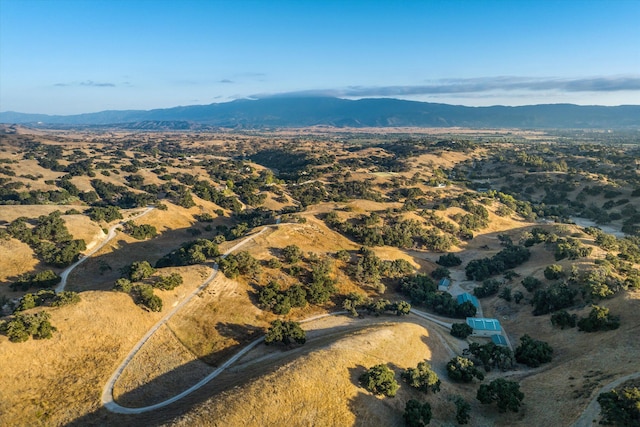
285, 111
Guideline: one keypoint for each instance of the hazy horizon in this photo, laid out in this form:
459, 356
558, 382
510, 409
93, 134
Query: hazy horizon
72, 57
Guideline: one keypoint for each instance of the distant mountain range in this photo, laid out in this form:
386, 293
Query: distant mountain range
310, 111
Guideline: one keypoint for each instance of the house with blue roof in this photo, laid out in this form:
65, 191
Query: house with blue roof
444, 284
462, 298
484, 326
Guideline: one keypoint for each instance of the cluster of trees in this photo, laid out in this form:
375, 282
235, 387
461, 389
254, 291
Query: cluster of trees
380, 379
553, 298
394, 231
620, 407
104, 213
49, 238
462, 369
140, 232
142, 293
241, 263
370, 269
272, 298
506, 394
120, 196
356, 301
571, 248
508, 258
47, 297
23, 326
488, 288
190, 253
449, 260
490, 356
599, 319
43, 279
422, 378
422, 290
461, 330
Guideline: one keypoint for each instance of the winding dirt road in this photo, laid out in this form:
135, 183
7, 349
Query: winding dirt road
592, 411
107, 392
110, 235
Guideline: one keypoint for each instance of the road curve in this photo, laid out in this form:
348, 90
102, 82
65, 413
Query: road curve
592, 411
107, 392
110, 235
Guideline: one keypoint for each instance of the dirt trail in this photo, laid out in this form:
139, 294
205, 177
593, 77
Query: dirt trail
591, 413
110, 235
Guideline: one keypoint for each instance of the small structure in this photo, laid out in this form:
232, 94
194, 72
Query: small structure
444, 284
462, 298
498, 339
484, 327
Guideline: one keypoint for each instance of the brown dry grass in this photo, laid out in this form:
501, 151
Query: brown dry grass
53, 382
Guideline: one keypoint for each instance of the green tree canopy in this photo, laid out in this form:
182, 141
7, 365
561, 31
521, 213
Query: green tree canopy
379, 379
417, 414
285, 332
422, 378
505, 393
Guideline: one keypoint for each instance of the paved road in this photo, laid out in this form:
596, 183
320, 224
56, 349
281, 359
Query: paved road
110, 235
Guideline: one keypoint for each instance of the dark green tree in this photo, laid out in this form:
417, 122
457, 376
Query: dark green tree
422, 378
285, 332
461, 330
599, 319
505, 393
620, 407
417, 414
463, 370
463, 410
532, 352
379, 379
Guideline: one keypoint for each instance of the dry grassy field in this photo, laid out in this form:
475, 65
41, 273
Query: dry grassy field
361, 177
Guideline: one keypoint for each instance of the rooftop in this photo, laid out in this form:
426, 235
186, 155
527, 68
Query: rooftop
484, 324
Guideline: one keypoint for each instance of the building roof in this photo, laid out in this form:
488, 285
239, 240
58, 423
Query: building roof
484, 324
462, 298
444, 282
499, 339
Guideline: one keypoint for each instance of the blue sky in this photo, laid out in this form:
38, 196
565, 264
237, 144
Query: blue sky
67, 57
